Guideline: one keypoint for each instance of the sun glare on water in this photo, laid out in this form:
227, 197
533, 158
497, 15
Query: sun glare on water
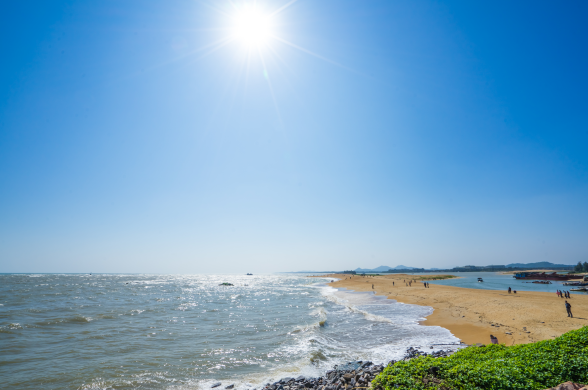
252, 27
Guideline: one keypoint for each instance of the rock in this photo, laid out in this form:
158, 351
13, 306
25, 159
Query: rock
350, 366
569, 386
230, 386
352, 375
434, 371
217, 384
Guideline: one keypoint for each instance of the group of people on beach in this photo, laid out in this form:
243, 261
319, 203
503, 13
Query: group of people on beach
563, 294
409, 283
426, 284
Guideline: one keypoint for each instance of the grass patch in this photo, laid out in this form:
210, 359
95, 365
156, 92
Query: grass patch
533, 366
438, 277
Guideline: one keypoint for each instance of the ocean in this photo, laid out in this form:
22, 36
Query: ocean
108, 331
499, 281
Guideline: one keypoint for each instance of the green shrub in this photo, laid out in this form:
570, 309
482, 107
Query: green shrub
538, 366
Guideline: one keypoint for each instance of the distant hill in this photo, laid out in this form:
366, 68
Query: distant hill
541, 265
382, 268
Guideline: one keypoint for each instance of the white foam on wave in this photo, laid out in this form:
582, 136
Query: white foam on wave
396, 317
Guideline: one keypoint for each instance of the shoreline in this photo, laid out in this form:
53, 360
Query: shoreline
472, 315
354, 375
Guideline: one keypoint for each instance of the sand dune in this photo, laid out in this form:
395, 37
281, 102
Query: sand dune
473, 315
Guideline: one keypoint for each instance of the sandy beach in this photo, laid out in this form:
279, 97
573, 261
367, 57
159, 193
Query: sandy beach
473, 315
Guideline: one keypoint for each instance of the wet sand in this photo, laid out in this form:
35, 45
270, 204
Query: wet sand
470, 313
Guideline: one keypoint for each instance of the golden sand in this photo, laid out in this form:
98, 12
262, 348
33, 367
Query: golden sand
472, 315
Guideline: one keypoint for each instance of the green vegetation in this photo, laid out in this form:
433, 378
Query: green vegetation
430, 277
581, 267
538, 366
438, 277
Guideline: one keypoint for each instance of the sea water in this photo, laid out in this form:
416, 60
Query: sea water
187, 331
501, 282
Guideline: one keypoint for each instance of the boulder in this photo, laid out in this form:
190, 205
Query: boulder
569, 386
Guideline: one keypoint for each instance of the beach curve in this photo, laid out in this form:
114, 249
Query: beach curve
472, 315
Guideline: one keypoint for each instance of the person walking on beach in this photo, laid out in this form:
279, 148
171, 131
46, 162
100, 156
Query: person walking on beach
509, 290
569, 309
493, 339
372, 286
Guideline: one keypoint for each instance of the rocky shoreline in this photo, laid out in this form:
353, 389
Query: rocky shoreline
349, 376
352, 375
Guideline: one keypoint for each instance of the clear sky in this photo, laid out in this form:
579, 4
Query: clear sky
210, 136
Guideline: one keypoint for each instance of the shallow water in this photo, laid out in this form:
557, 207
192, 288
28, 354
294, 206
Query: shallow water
186, 331
498, 281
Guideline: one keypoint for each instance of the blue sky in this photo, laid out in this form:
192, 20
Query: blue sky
422, 133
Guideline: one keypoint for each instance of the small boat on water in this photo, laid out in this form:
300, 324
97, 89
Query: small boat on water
584, 282
480, 280
584, 289
226, 284
542, 282
249, 274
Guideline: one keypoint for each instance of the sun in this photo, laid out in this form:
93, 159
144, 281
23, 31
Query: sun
252, 27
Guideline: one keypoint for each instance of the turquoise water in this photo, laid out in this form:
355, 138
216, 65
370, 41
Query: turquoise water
498, 281
186, 331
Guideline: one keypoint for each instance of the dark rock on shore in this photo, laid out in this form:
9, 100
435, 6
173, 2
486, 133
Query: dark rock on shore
348, 376
569, 386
